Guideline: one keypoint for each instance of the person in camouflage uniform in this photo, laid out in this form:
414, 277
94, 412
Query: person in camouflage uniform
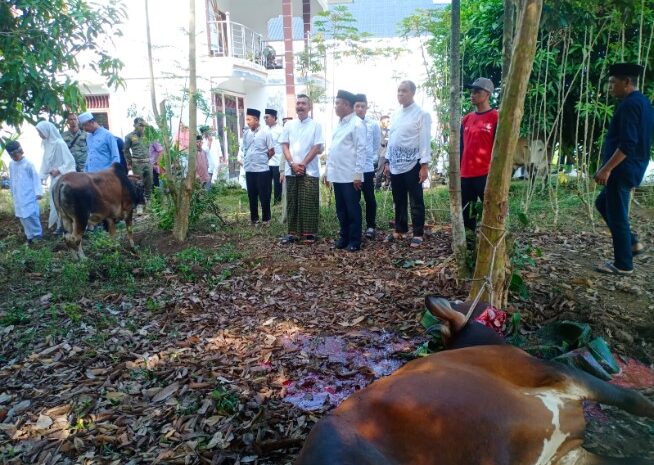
137, 154
75, 139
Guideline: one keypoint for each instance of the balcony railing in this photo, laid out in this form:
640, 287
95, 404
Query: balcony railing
230, 39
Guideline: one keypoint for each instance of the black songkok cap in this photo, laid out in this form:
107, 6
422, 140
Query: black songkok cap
271, 112
361, 98
345, 95
12, 146
253, 112
626, 69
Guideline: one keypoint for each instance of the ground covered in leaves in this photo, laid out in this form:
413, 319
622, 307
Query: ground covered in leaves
227, 349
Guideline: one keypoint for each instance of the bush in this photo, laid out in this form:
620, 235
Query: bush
28, 260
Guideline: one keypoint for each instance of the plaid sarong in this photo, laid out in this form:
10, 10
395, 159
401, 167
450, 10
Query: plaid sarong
303, 204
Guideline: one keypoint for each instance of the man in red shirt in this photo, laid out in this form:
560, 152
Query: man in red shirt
477, 136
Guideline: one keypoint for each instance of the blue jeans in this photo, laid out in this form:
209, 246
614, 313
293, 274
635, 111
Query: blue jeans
613, 205
348, 211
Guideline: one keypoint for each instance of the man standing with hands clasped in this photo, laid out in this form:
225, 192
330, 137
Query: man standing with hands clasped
345, 165
625, 156
407, 161
257, 149
302, 142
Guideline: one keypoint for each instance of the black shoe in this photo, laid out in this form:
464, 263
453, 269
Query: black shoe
340, 244
370, 233
353, 248
288, 239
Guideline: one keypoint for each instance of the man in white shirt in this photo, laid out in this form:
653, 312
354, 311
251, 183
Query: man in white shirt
345, 168
407, 160
257, 150
270, 117
302, 141
373, 143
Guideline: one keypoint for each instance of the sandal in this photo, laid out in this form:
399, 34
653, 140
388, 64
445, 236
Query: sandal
309, 239
288, 239
416, 241
394, 237
610, 268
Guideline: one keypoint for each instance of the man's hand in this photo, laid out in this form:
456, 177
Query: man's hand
357, 184
387, 170
424, 174
55, 172
282, 177
298, 168
602, 176
324, 181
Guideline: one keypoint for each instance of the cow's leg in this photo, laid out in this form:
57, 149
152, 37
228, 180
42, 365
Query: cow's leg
111, 226
128, 226
74, 238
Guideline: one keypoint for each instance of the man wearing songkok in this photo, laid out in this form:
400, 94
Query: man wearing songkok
345, 167
257, 150
270, 117
373, 143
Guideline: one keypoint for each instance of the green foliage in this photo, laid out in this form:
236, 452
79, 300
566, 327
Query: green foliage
73, 279
40, 41
226, 402
192, 263
522, 256
27, 260
14, 316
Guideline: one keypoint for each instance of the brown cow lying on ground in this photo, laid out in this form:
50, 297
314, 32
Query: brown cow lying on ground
86, 199
485, 403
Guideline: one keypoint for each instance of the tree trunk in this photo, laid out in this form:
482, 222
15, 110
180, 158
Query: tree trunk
458, 231
180, 229
490, 276
507, 37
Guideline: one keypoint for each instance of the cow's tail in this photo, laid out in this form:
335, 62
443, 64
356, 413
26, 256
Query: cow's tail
597, 390
121, 173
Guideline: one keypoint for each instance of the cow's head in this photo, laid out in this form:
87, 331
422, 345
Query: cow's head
455, 331
139, 189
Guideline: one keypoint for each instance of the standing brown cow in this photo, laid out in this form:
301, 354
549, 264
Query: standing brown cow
484, 403
86, 199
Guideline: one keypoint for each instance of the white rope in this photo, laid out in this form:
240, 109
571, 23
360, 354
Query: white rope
488, 282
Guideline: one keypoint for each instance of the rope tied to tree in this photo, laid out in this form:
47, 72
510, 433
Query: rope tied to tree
488, 282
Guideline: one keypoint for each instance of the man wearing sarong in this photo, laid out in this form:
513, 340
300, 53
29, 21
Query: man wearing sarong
302, 141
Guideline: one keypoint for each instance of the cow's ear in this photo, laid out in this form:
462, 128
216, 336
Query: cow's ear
442, 310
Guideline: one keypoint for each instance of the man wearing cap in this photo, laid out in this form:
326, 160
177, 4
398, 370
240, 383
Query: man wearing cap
257, 149
101, 144
137, 154
407, 162
345, 168
75, 139
270, 117
477, 137
26, 191
625, 156
373, 143
302, 141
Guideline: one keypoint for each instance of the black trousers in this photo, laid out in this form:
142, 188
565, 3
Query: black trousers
471, 190
403, 185
259, 188
348, 211
368, 190
277, 184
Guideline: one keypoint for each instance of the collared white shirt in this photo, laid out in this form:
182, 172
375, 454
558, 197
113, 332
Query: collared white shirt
276, 133
25, 186
301, 136
255, 149
373, 141
409, 140
347, 153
